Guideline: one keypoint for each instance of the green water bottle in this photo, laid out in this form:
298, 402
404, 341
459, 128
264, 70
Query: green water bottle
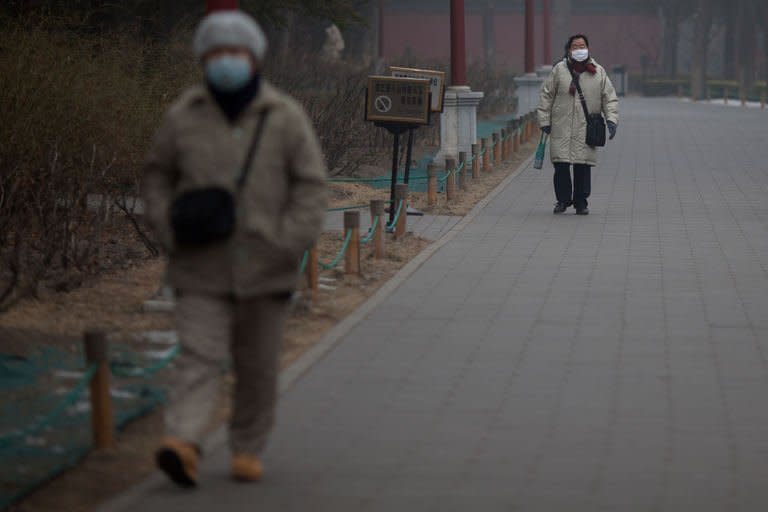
538, 162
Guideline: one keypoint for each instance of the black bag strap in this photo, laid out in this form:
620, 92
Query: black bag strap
581, 94
252, 148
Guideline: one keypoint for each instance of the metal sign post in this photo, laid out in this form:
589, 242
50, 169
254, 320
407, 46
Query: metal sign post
398, 104
437, 91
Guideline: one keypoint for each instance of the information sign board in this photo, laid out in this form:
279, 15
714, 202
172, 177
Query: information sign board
436, 82
397, 100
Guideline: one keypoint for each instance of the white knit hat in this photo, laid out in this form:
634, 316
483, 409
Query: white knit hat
229, 28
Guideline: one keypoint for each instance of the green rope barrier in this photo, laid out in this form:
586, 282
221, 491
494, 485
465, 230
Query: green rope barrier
129, 370
367, 238
67, 401
456, 170
337, 259
347, 208
358, 180
399, 210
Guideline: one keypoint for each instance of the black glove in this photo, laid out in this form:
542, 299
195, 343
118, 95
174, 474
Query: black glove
611, 129
546, 129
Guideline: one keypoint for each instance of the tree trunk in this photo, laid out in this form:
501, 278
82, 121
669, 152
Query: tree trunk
561, 26
729, 51
746, 43
489, 36
701, 36
671, 39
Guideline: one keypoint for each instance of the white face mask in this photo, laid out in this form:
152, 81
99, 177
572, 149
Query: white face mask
580, 55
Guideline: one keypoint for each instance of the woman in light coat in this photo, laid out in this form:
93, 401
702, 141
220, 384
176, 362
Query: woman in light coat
561, 115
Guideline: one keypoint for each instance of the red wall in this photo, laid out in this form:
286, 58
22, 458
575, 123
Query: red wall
614, 40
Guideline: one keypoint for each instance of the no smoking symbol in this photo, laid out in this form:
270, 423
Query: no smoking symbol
383, 104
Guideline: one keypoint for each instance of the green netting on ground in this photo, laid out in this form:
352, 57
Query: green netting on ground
45, 423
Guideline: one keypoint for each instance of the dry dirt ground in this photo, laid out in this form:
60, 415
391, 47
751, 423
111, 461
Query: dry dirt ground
114, 302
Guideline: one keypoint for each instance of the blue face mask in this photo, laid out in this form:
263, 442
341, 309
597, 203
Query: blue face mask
228, 73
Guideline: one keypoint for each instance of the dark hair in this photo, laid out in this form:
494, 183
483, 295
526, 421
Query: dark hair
572, 39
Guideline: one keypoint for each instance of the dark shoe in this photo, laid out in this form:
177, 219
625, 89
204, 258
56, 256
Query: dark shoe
178, 460
582, 211
560, 208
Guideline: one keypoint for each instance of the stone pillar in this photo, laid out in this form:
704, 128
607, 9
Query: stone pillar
527, 93
458, 122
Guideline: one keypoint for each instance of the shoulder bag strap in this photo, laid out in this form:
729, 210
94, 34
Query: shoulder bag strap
252, 148
581, 95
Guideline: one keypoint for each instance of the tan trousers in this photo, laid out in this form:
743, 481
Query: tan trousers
211, 330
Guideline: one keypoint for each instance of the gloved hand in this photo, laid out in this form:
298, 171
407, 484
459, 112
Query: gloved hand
611, 130
546, 129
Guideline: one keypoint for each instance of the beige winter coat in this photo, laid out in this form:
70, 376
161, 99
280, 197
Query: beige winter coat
564, 113
281, 207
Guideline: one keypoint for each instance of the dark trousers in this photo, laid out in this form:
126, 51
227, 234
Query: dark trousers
575, 193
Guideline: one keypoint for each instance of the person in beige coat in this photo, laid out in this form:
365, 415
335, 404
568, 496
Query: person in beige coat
561, 115
232, 293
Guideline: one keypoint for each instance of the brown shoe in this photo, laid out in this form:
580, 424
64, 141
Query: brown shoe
178, 459
246, 468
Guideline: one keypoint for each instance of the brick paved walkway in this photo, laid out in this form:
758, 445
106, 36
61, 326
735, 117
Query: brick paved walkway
553, 363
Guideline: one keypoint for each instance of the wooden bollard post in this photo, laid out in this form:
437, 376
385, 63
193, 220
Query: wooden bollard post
533, 123
520, 127
762, 98
450, 180
475, 161
515, 136
401, 194
510, 135
743, 98
496, 149
464, 170
527, 129
377, 210
524, 130
102, 423
431, 184
504, 153
352, 256
486, 147
313, 270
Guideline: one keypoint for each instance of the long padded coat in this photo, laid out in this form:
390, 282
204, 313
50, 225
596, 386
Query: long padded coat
564, 113
281, 206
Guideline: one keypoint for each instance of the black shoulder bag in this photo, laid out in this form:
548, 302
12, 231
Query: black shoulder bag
595, 122
203, 216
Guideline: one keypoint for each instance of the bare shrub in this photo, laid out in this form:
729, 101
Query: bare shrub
334, 95
78, 112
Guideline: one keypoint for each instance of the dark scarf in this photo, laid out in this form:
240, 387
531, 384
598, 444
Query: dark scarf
577, 68
234, 103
